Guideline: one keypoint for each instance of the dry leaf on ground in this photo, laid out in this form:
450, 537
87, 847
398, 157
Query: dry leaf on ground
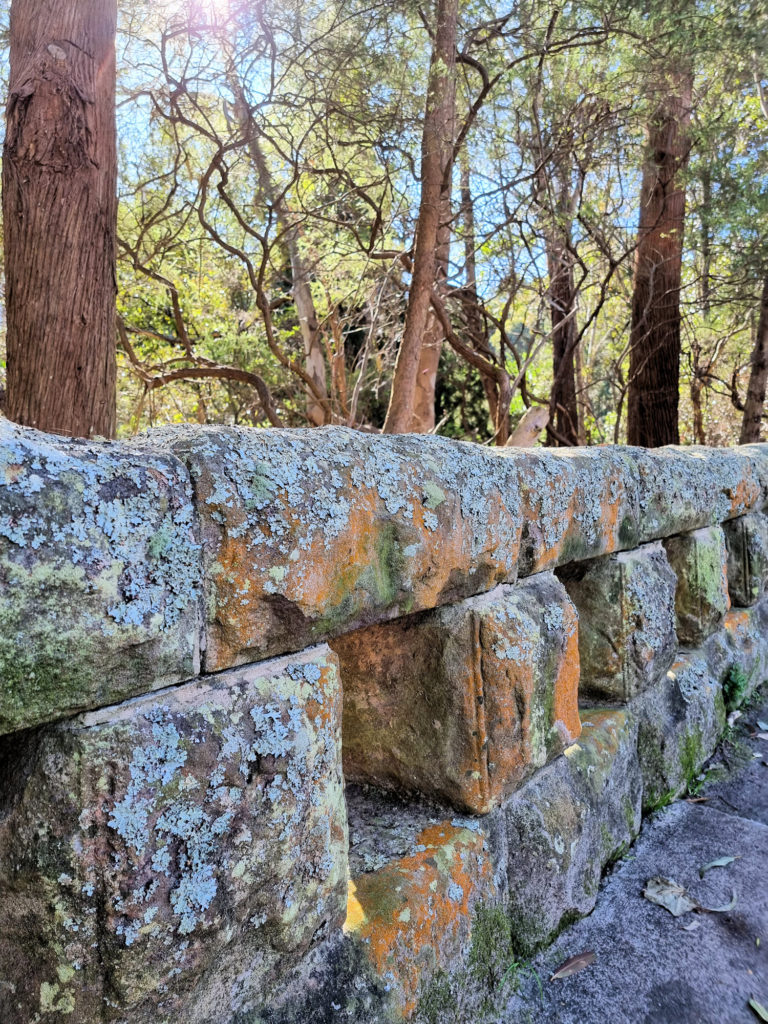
573, 965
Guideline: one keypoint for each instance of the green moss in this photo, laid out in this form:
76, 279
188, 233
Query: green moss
691, 752
383, 578
629, 815
478, 991
437, 1004
735, 688
493, 948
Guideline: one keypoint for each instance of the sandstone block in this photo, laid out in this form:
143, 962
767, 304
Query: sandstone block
162, 859
553, 837
737, 655
99, 575
686, 488
699, 560
577, 503
413, 916
747, 540
462, 703
626, 606
309, 533
680, 724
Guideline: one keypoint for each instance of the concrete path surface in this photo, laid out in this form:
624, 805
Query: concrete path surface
651, 967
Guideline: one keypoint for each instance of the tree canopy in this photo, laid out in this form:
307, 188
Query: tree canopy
439, 216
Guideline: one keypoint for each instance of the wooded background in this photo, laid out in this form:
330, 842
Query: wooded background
390, 215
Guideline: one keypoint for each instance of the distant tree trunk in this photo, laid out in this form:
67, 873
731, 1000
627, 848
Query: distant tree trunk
436, 153
60, 216
314, 360
758, 376
706, 242
563, 408
654, 360
470, 299
423, 419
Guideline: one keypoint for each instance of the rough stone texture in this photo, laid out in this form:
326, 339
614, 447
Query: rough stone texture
577, 503
699, 560
747, 540
626, 606
99, 575
464, 702
160, 861
554, 836
680, 723
413, 916
686, 488
737, 655
307, 533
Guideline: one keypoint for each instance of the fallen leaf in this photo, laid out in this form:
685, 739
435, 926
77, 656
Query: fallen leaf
691, 927
762, 735
668, 894
721, 862
696, 799
573, 965
758, 1008
762, 725
733, 717
721, 910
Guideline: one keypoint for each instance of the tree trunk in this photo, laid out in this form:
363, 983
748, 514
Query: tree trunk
758, 376
563, 409
706, 242
314, 360
436, 153
60, 216
423, 419
470, 299
654, 359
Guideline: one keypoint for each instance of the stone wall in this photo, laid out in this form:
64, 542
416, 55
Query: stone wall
506, 656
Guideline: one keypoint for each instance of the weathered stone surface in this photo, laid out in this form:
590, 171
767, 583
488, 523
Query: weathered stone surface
699, 560
580, 503
413, 916
554, 836
687, 488
308, 533
576, 503
626, 606
99, 575
462, 703
161, 860
737, 655
747, 540
680, 722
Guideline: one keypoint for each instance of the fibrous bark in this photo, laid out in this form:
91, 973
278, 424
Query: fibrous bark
59, 214
654, 363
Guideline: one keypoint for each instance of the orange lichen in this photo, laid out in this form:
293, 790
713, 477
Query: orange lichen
413, 916
566, 698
